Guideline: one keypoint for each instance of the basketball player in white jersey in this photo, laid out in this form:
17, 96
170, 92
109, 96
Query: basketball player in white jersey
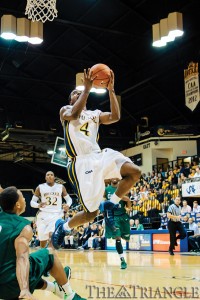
90, 165
50, 208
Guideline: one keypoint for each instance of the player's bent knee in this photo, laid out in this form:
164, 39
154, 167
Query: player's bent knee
131, 170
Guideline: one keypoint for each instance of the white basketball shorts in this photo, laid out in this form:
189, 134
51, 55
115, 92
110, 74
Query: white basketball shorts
88, 172
45, 222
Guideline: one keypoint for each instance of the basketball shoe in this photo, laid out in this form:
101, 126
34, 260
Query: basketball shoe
60, 292
58, 234
123, 264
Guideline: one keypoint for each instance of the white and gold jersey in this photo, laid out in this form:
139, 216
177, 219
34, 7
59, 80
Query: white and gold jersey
81, 135
52, 196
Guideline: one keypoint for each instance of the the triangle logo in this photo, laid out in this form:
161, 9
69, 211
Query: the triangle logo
123, 293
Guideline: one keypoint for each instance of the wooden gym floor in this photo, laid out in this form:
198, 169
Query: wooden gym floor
97, 275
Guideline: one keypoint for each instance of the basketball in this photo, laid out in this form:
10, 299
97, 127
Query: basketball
103, 75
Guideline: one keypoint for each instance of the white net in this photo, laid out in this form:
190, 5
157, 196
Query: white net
41, 10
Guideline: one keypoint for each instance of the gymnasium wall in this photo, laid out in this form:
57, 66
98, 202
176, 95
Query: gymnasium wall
162, 149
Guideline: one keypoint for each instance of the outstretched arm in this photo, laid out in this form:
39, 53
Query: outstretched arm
73, 114
22, 264
114, 115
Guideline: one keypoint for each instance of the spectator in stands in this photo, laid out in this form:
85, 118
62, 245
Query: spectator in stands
196, 207
132, 223
185, 219
170, 177
160, 195
71, 241
132, 194
34, 241
176, 172
175, 192
193, 226
192, 173
86, 234
194, 240
153, 207
165, 185
197, 174
138, 226
167, 196
135, 209
157, 184
181, 179
94, 234
163, 173
99, 240
159, 177
194, 165
186, 208
80, 230
148, 177
185, 169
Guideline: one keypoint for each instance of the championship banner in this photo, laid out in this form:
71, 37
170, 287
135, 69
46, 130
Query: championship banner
191, 78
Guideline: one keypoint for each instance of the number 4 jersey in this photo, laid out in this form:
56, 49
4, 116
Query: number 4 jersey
81, 135
52, 196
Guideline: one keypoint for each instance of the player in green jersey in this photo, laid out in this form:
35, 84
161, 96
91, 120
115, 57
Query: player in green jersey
21, 273
121, 228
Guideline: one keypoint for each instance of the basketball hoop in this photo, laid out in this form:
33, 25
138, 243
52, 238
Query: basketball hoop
41, 10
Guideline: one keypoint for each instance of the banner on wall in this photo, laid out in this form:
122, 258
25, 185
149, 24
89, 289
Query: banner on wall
175, 130
191, 78
191, 189
161, 242
140, 242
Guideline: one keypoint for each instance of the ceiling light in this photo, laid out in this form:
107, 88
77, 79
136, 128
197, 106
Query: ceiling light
164, 32
50, 152
8, 27
157, 42
36, 33
23, 30
18, 124
98, 91
175, 24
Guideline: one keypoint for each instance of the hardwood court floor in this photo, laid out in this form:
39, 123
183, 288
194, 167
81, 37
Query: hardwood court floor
97, 275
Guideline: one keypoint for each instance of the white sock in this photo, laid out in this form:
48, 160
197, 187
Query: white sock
67, 288
63, 291
50, 286
66, 227
114, 199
